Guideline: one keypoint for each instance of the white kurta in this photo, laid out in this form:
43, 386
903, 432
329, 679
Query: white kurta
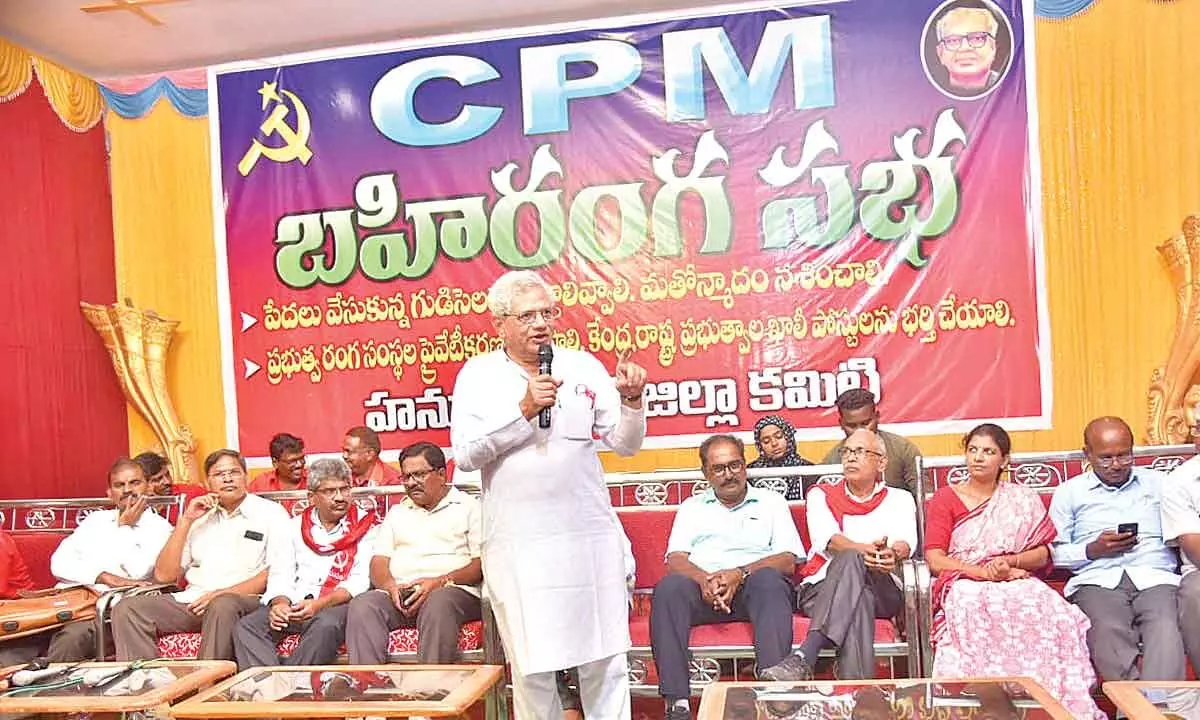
553, 549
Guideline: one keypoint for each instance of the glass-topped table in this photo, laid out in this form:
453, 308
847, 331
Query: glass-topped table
339, 691
113, 688
1156, 700
984, 699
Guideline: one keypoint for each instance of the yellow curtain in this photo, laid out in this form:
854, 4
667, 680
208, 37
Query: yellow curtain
1119, 147
75, 99
163, 232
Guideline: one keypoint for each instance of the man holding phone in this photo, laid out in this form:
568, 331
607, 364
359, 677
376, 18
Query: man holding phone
315, 568
426, 568
1110, 536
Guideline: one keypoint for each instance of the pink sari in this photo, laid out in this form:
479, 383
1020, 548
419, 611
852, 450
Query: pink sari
1014, 628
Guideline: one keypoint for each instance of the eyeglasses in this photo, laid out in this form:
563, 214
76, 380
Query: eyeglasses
418, 476
529, 317
223, 474
973, 40
857, 453
730, 468
333, 492
1108, 462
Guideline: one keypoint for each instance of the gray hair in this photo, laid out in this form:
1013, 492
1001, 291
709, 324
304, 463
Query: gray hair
511, 284
992, 24
880, 447
327, 469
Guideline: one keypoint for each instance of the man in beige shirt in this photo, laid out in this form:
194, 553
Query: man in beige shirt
220, 548
857, 411
426, 569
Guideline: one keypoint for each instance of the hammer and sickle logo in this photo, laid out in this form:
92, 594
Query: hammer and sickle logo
295, 139
40, 519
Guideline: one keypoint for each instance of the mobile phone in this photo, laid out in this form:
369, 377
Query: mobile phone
1131, 528
406, 595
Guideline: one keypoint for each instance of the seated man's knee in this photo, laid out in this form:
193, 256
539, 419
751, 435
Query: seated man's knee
767, 578
851, 559
674, 585
228, 605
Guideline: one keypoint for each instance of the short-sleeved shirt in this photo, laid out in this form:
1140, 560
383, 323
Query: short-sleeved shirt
223, 549
1181, 507
718, 537
901, 470
428, 543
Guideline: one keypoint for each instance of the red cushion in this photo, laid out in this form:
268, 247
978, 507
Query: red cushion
36, 549
183, 646
741, 634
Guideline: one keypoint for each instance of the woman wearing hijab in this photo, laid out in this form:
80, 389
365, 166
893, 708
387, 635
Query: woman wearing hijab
776, 441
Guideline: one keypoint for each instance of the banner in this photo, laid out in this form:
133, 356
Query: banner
765, 206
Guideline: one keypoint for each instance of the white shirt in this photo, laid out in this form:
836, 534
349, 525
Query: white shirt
296, 572
100, 545
718, 537
895, 518
223, 549
427, 543
552, 546
1181, 507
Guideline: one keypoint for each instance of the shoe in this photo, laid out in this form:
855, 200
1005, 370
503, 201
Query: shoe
791, 669
678, 713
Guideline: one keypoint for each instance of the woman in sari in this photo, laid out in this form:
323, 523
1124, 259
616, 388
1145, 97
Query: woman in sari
983, 540
776, 441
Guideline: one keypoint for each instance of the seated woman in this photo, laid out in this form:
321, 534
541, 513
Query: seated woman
776, 441
983, 539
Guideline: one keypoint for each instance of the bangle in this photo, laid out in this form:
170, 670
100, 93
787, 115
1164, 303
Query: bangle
631, 398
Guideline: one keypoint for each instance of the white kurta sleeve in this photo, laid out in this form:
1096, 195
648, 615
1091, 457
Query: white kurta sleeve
821, 525
138, 547
281, 568
907, 524
481, 429
619, 426
72, 562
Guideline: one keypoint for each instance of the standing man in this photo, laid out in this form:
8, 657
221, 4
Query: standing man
1124, 579
360, 450
425, 568
553, 559
220, 547
316, 567
287, 459
857, 411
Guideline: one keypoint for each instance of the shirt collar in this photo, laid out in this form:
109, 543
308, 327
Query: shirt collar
1097, 483
450, 498
710, 497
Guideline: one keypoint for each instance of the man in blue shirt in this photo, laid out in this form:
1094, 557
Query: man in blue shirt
730, 558
1125, 582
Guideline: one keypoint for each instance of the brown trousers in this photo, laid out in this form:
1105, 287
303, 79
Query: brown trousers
138, 621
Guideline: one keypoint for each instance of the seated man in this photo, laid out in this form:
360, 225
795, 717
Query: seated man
857, 410
426, 568
314, 571
1125, 582
220, 547
108, 549
14, 577
360, 450
287, 457
730, 558
158, 475
860, 530
1181, 529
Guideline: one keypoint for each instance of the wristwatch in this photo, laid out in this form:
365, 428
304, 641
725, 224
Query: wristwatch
745, 573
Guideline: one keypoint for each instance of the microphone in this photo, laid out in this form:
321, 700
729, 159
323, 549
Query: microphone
22, 678
545, 356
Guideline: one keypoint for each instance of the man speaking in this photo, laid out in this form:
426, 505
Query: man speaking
553, 554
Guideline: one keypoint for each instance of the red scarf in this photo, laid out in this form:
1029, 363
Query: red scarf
840, 504
345, 547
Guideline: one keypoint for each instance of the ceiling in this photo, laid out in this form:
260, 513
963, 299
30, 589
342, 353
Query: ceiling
198, 33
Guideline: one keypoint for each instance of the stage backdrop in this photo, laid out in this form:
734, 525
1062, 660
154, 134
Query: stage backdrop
765, 207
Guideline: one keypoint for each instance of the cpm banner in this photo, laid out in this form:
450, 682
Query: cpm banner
764, 206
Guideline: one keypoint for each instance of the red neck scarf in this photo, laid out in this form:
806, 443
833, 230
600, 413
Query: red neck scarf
841, 504
343, 549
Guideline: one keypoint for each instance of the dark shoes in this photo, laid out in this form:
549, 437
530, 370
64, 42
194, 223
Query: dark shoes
678, 713
791, 669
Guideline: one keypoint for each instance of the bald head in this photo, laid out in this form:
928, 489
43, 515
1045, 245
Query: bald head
1104, 427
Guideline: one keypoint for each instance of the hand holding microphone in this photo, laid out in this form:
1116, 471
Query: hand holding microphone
542, 392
